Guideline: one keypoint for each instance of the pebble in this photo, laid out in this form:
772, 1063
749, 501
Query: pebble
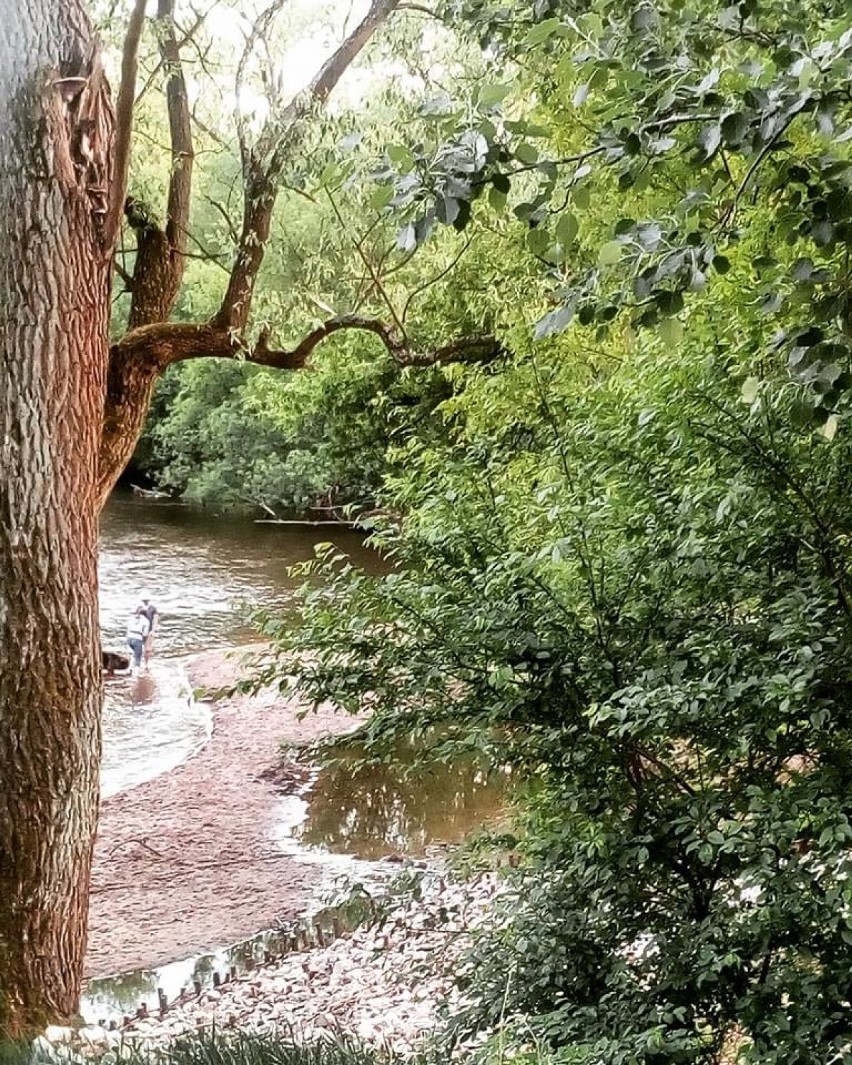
382, 983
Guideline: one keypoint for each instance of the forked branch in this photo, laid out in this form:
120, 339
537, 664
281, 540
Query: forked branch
264, 161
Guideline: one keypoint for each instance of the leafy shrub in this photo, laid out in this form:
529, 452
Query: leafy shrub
648, 614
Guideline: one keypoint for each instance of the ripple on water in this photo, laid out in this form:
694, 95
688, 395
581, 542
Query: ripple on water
152, 723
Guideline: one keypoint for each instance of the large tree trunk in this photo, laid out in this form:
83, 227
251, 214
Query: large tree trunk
55, 144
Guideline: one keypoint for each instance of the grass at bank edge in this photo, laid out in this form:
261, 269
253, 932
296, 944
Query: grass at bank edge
271, 1049
225, 1049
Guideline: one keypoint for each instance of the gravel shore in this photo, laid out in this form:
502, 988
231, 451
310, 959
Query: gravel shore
386, 982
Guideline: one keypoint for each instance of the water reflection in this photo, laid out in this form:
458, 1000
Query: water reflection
151, 725
120, 995
375, 810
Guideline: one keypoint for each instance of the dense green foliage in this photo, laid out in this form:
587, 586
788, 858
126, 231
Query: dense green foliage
233, 435
638, 594
622, 554
624, 569
693, 113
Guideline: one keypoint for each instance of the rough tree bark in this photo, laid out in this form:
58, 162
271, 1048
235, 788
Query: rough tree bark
63, 172
55, 134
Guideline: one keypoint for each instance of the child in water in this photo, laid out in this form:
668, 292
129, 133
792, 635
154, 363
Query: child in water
153, 616
138, 628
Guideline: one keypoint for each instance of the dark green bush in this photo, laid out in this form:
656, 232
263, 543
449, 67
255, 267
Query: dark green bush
649, 618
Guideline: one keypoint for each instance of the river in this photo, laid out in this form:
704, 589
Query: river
203, 573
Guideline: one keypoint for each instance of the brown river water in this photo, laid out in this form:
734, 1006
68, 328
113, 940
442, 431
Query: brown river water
204, 573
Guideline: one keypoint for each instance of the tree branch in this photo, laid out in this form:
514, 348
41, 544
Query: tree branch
262, 166
143, 354
124, 123
421, 9
152, 343
180, 129
123, 274
186, 38
161, 252
162, 343
368, 266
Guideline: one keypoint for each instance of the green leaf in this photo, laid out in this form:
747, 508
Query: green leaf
829, 428
462, 217
750, 389
566, 229
669, 301
709, 139
527, 153
581, 94
381, 197
330, 175
538, 241
671, 331
492, 95
447, 209
610, 253
734, 128
407, 238
581, 195
555, 322
497, 199
543, 31
401, 157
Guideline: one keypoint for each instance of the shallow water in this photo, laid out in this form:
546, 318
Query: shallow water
370, 810
203, 573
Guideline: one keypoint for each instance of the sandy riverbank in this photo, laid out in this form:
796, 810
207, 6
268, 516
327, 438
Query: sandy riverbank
186, 861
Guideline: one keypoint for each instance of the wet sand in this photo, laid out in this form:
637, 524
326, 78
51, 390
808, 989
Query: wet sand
186, 862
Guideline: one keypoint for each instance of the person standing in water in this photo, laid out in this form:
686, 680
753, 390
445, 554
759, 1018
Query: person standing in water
138, 629
147, 607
